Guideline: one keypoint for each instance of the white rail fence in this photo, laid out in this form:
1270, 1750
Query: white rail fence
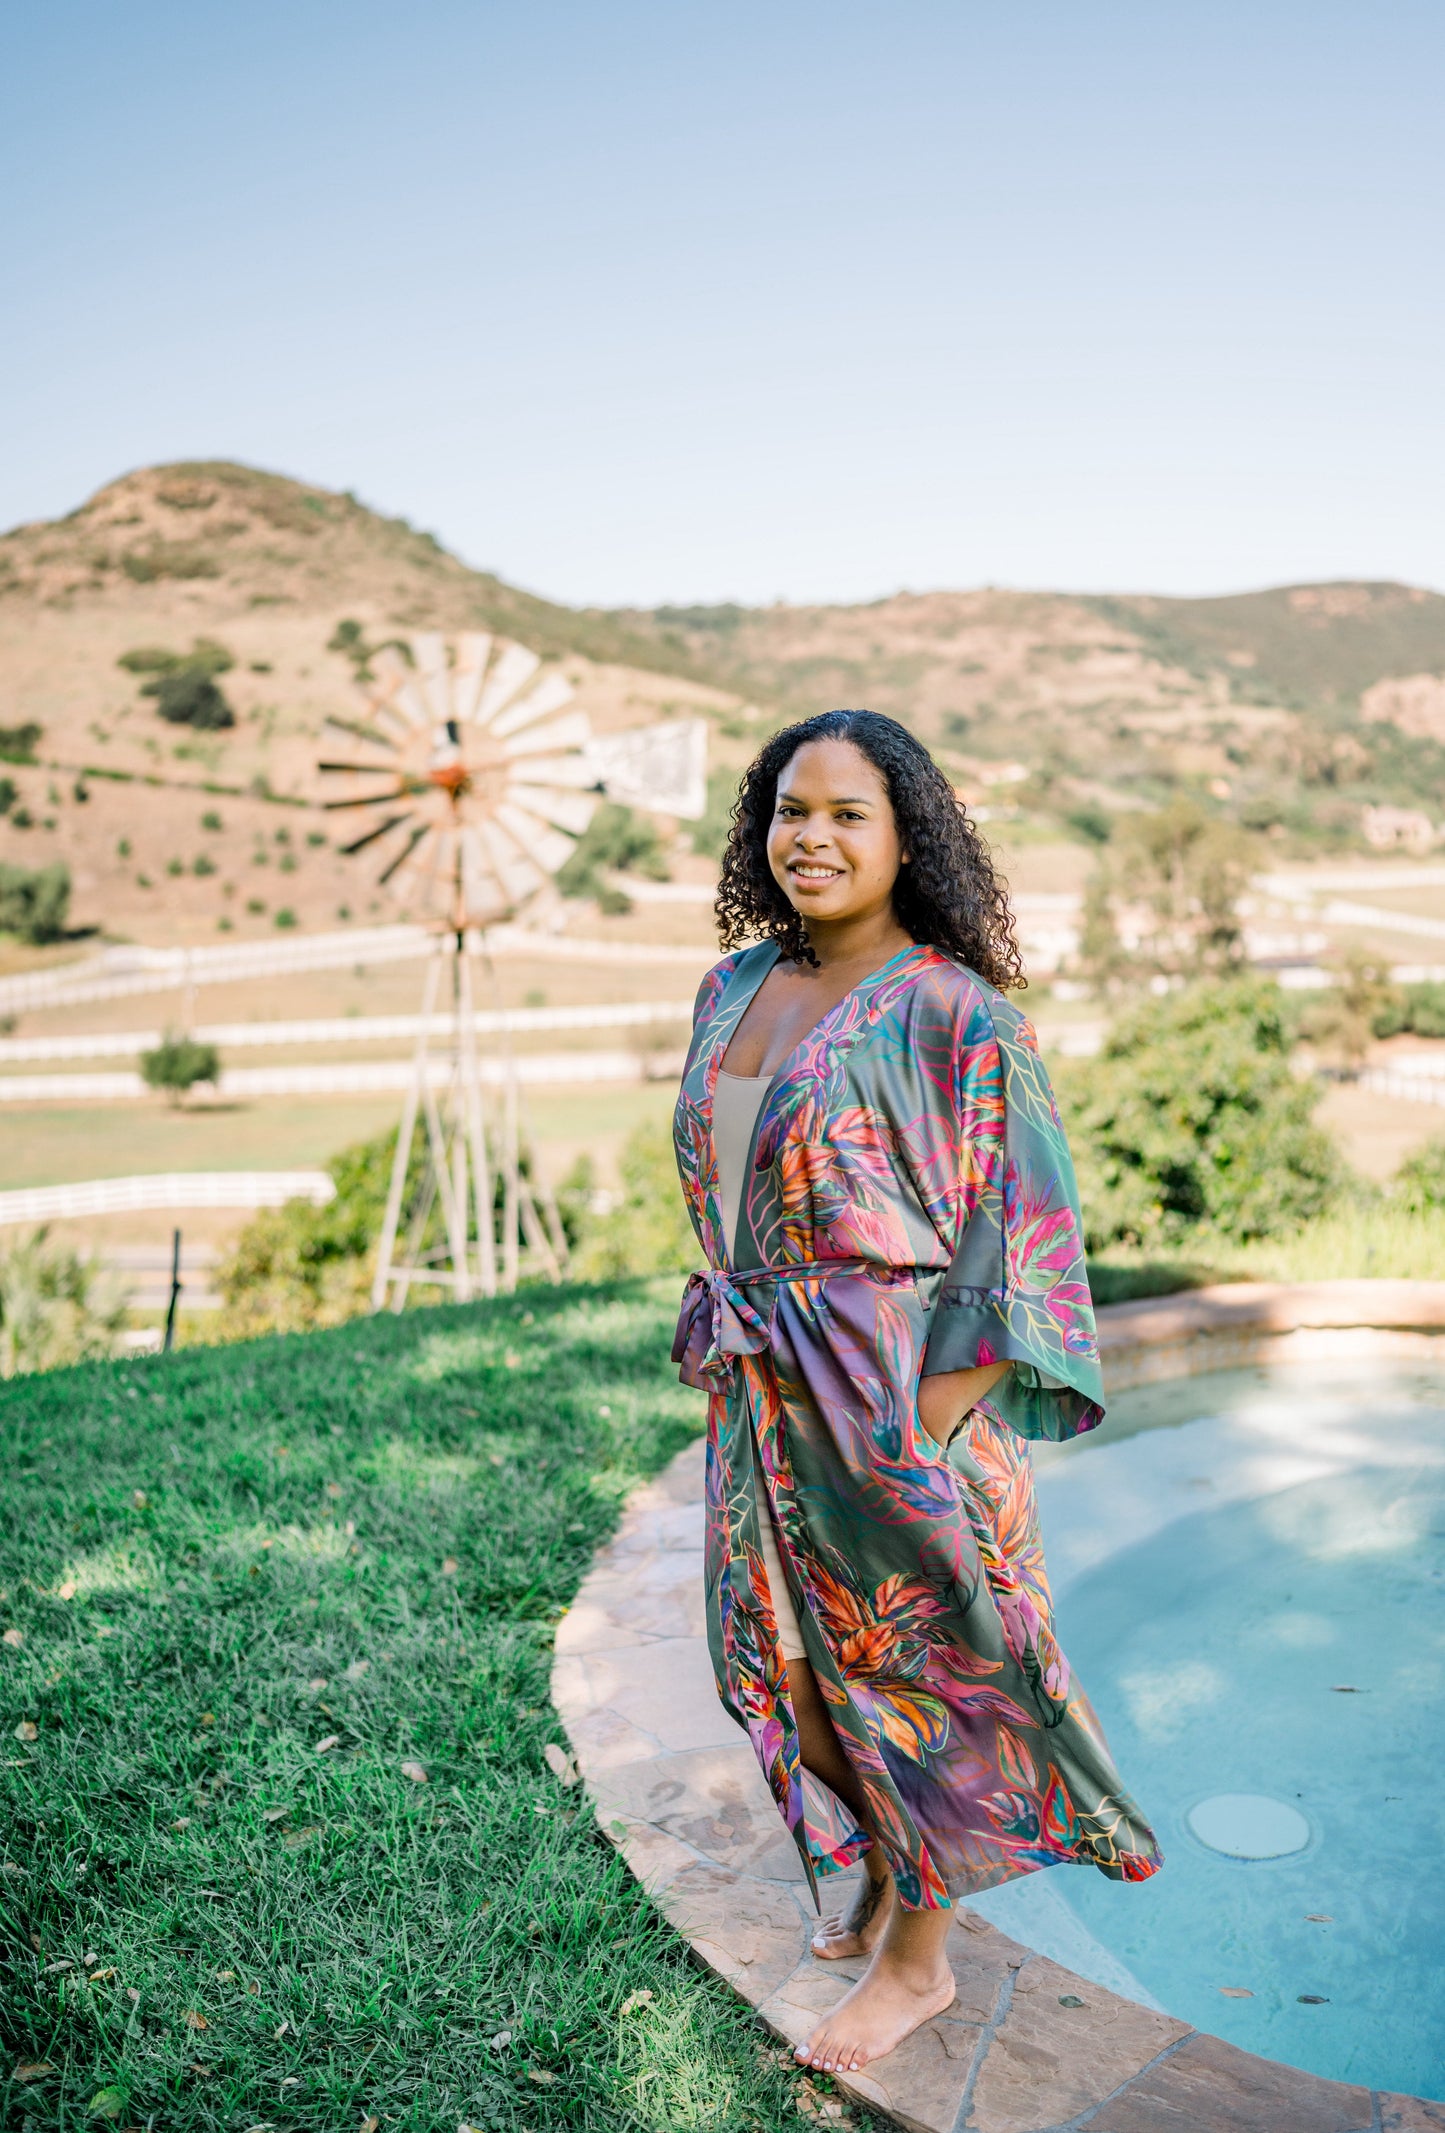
116, 972
349, 1077
350, 1029
165, 1189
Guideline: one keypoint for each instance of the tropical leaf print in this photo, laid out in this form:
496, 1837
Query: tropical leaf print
913, 1187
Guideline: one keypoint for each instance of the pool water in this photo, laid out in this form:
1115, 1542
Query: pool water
1250, 1575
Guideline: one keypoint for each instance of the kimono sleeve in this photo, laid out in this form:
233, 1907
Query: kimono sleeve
1017, 1289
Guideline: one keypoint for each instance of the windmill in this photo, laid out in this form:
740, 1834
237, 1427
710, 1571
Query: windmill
470, 775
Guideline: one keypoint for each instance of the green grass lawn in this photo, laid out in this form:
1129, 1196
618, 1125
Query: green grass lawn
241, 1590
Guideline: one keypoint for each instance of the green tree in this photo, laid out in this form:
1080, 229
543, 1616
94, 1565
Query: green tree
1101, 957
35, 902
1341, 1020
55, 1307
178, 1063
1191, 1120
615, 840
1188, 870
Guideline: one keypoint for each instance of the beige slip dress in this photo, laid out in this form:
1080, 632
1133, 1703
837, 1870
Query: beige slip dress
737, 1100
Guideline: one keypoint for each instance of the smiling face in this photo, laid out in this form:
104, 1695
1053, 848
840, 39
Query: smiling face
833, 843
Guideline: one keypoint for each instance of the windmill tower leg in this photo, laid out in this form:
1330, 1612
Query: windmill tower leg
386, 1248
475, 1126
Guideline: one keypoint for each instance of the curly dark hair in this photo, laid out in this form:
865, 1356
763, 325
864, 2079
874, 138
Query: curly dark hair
947, 892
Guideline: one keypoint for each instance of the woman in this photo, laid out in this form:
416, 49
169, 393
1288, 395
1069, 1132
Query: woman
896, 1298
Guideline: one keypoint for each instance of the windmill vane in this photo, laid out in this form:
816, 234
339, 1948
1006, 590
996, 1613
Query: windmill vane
470, 779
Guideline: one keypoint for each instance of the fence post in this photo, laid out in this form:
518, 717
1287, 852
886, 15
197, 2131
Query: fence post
170, 1339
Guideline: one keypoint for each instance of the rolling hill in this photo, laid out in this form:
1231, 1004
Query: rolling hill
1286, 709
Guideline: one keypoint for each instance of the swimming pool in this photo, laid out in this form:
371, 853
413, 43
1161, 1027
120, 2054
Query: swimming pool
1250, 1574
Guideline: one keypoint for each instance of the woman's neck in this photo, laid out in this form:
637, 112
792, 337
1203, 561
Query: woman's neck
873, 937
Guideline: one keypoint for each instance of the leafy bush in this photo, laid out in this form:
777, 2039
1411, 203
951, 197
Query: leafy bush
298, 1266
1417, 1009
1420, 1179
649, 1231
615, 840
19, 743
178, 1063
9, 794
1190, 1120
35, 901
55, 1308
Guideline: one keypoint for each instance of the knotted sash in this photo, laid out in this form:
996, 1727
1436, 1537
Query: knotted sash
720, 1320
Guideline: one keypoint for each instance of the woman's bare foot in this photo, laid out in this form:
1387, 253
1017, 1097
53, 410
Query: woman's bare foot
906, 1984
858, 1929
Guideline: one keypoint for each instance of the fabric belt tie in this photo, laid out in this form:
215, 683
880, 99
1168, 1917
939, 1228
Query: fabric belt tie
719, 1320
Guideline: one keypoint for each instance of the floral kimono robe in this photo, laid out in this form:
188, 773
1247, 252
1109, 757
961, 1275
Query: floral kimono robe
908, 1207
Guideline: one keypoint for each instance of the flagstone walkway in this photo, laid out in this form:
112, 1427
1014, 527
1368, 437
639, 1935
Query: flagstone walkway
1027, 2046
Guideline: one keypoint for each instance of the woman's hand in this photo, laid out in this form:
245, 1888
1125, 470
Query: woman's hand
945, 1400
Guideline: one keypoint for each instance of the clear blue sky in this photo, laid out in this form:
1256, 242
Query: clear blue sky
645, 300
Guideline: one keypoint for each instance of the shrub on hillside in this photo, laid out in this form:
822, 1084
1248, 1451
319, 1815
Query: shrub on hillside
35, 901
19, 743
1190, 1121
55, 1308
184, 683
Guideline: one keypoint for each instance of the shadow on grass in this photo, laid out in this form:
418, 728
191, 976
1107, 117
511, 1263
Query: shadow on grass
249, 1593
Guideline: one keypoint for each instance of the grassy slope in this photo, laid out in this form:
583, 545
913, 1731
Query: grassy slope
240, 1526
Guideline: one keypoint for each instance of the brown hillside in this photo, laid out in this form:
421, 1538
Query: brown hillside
266, 568
1249, 704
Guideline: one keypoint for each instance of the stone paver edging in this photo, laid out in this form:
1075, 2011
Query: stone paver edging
1027, 2046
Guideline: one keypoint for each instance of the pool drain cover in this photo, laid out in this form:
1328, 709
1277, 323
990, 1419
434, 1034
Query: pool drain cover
1249, 1825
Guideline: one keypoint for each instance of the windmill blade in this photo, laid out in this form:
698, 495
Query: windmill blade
551, 692
395, 688
661, 767
434, 679
363, 770
570, 811
473, 651
356, 731
573, 731
551, 848
366, 799
514, 668
404, 854
575, 770
519, 874
430, 876
381, 830
484, 894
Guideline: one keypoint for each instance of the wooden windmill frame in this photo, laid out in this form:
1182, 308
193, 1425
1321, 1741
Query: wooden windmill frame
473, 774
